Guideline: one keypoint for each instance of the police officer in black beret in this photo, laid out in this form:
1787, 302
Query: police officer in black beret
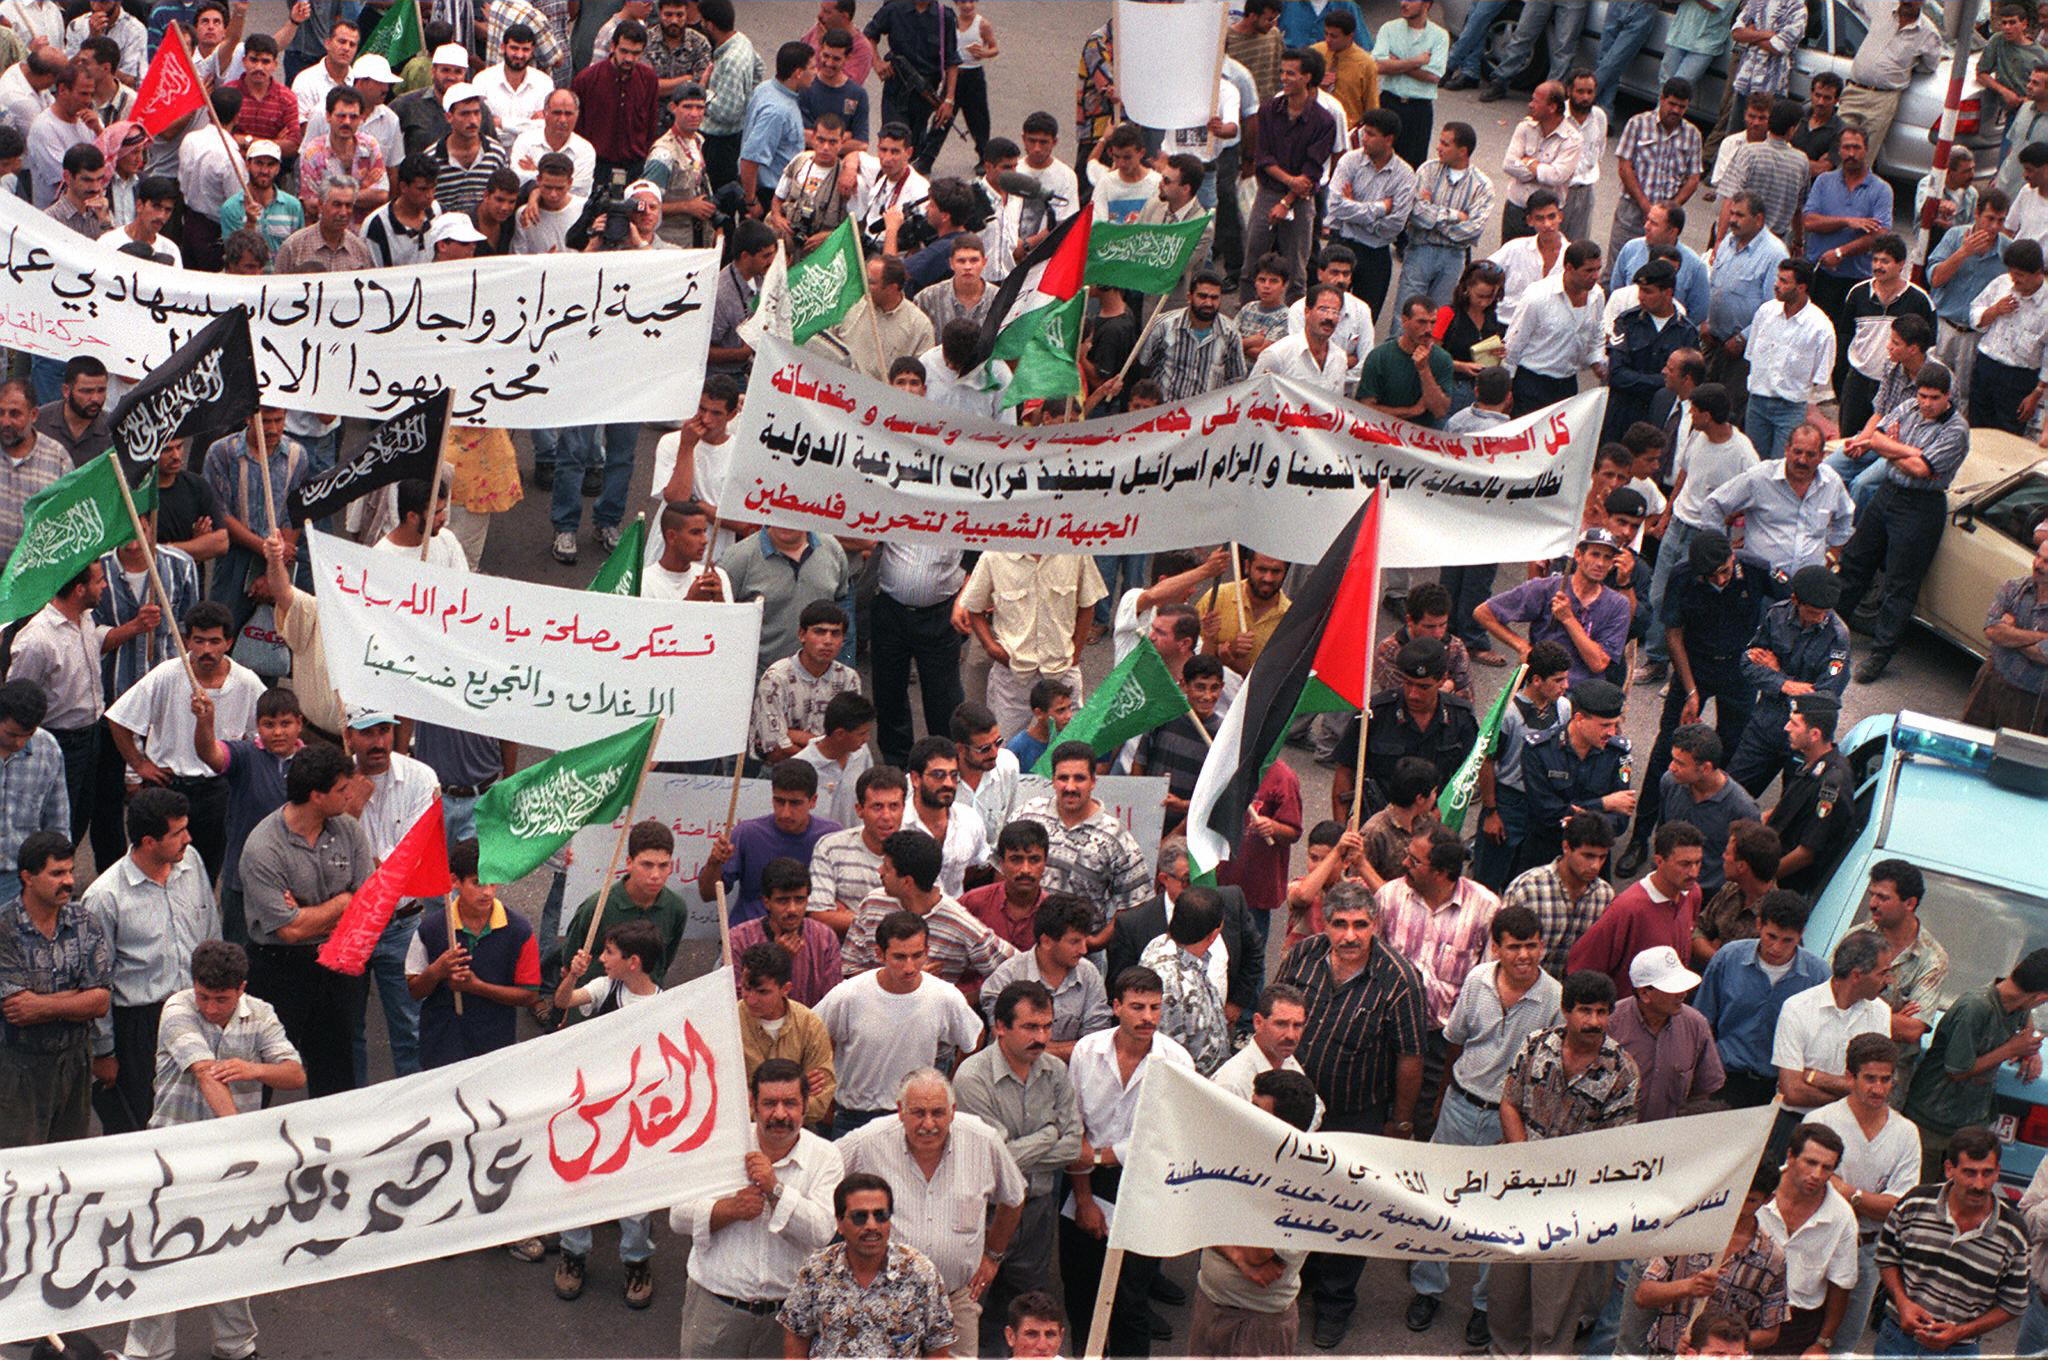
1801, 647
1814, 818
1586, 765
1421, 718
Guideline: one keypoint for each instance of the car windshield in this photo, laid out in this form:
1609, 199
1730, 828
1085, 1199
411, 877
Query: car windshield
1985, 929
2019, 508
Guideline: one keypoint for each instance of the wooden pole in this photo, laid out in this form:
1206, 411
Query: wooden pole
1129, 359
732, 812
604, 889
1105, 1299
263, 466
874, 323
1237, 579
450, 904
156, 582
434, 498
234, 152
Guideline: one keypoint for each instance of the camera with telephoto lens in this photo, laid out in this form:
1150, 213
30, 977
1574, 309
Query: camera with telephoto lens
609, 201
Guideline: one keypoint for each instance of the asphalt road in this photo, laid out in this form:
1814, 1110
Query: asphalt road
484, 1304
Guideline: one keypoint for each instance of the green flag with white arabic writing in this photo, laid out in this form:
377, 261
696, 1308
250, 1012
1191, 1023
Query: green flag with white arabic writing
65, 528
1139, 695
1044, 346
620, 574
1456, 798
824, 285
522, 820
396, 38
1145, 256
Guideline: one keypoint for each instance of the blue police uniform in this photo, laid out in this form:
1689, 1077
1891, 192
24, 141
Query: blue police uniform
1557, 781
1818, 655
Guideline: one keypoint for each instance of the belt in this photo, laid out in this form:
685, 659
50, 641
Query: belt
285, 950
758, 1307
1876, 89
407, 911
194, 780
1493, 1105
469, 790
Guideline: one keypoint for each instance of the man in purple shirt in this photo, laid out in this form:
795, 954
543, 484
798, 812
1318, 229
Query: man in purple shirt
1295, 139
788, 832
1671, 1042
1579, 612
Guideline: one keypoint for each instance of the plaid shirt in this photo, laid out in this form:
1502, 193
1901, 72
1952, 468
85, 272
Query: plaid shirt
32, 798
548, 20
138, 656
1358, 1030
76, 958
1555, 1104
1186, 363
1752, 1287
1775, 171
1099, 859
21, 479
253, 1034
1442, 942
1662, 160
1564, 918
735, 70
1192, 1012
1943, 443
1769, 67
1433, 221
269, 117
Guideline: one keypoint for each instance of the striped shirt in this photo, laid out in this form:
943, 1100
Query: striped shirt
1440, 195
961, 942
1358, 1029
1943, 443
943, 1215
1957, 1276
1442, 942
1186, 362
459, 188
1769, 67
121, 668
184, 1037
844, 872
1662, 158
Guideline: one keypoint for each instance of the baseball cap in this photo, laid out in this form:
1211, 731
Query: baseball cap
258, 150
1816, 585
372, 66
458, 92
453, 226
363, 716
1600, 537
451, 54
1660, 968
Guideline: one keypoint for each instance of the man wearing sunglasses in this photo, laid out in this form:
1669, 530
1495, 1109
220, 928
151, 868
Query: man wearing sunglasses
865, 1295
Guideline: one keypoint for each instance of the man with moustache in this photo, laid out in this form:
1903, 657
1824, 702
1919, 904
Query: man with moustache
835, 1307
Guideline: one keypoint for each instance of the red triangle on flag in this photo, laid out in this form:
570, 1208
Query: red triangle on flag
170, 89
1344, 654
1062, 277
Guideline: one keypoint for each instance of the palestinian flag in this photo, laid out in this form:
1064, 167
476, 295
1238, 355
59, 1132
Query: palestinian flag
1317, 662
1032, 309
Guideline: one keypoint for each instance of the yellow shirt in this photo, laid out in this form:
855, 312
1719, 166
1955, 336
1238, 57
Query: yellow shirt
803, 1041
483, 468
1262, 626
300, 627
1034, 601
1352, 77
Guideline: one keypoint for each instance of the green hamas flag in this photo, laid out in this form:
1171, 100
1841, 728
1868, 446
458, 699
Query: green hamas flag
522, 820
1044, 346
1457, 795
620, 574
824, 285
1145, 256
1139, 695
396, 38
65, 528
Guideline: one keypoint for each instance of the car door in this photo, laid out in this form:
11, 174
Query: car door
1989, 541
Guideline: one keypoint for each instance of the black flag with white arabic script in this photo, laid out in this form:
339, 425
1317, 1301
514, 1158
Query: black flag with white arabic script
404, 447
205, 390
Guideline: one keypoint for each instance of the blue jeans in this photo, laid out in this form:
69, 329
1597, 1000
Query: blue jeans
636, 1239
1893, 1342
1462, 1124
846, 1121
2033, 1338
1673, 550
1857, 1316
548, 444
458, 817
1681, 64
1606, 1329
609, 447
1628, 27
1132, 567
1770, 424
1467, 53
1432, 272
46, 376
401, 1012
1566, 20
1864, 475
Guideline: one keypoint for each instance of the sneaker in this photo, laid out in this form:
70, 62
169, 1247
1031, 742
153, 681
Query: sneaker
531, 1250
1422, 1311
608, 537
639, 1284
1873, 668
565, 549
1495, 91
1329, 1332
1652, 673
1477, 1331
569, 1276
1159, 1327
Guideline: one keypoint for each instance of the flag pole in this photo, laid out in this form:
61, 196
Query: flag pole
1237, 579
1365, 684
434, 496
263, 467
732, 802
156, 582
450, 904
1130, 358
604, 889
1105, 1299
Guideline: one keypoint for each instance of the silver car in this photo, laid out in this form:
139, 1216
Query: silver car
1834, 30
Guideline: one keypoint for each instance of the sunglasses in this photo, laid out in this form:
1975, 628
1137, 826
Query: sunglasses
859, 1217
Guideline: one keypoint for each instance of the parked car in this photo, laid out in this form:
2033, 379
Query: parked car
1998, 499
1834, 30
1969, 808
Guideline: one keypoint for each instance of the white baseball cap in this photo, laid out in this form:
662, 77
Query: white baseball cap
372, 66
451, 54
453, 226
364, 716
458, 92
1660, 968
258, 150
644, 188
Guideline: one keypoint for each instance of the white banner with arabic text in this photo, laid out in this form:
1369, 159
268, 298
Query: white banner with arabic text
523, 342
530, 663
1208, 1168
623, 1115
1268, 462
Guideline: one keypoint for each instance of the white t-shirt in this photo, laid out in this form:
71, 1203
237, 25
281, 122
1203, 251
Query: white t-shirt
443, 550
1888, 1164
1194, 141
162, 245
1057, 177
836, 785
879, 1037
1243, 1069
1705, 466
159, 710
659, 583
599, 988
1354, 329
1118, 201
711, 465
550, 233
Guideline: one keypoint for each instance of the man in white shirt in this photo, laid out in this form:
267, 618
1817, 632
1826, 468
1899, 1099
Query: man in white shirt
26, 86
1815, 1227
682, 571
556, 131
1277, 1023
67, 122
1109, 1104
746, 1247
514, 90
1557, 332
1354, 330
885, 181
1055, 178
1791, 361
543, 224
691, 464
1811, 1045
443, 549
2011, 320
1543, 153
1312, 357
1880, 1162
1533, 258
890, 1022
1585, 113
396, 792
311, 85
1714, 453
934, 769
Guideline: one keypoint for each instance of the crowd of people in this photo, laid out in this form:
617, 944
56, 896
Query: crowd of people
950, 990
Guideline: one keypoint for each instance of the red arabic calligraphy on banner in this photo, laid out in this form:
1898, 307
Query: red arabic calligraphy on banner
596, 1135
